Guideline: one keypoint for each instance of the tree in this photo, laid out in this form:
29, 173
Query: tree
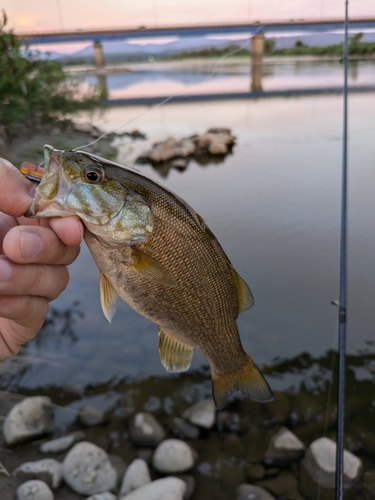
34, 90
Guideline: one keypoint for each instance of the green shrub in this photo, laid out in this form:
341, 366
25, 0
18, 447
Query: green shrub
34, 90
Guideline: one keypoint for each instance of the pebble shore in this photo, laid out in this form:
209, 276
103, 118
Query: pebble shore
167, 458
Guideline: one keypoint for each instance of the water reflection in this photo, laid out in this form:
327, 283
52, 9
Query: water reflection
205, 77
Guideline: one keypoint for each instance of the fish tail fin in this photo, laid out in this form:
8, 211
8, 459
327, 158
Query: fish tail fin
247, 380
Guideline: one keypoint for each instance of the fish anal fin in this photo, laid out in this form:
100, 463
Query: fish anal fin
108, 297
248, 380
175, 355
245, 297
150, 268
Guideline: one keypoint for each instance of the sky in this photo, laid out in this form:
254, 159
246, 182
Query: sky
57, 15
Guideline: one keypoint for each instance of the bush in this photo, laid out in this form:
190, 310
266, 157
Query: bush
34, 90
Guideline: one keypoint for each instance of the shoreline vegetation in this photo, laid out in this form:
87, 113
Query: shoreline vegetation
35, 92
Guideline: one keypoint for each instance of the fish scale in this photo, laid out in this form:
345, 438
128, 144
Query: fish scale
158, 255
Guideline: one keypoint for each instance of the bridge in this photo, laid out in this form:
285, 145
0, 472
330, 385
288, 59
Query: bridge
256, 30
269, 28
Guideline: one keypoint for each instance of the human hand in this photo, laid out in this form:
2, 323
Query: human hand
34, 254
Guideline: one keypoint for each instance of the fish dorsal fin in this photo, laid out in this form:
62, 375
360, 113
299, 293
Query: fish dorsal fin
151, 269
175, 355
108, 297
245, 297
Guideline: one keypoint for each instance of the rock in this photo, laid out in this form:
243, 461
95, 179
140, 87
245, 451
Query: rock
168, 488
103, 496
28, 419
230, 422
171, 148
283, 486
190, 485
85, 127
284, 448
89, 415
183, 430
34, 490
202, 414
63, 443
219, 130
145, 430
145, 454
256, 472
233, 446
319, 467
173, 456
251, 492
47, 470
136, 475
217, 143
88, 470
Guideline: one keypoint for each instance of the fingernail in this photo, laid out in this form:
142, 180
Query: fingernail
5, 270
31, 245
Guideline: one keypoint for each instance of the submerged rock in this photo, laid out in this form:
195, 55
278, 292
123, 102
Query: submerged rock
319, 467
89, 415
63, 443
103, 496
284, 448
202, 414
173, 456
251, 492
88, 470
34, 490
48, 470
183, 429
28, 419
168, 488
145, 430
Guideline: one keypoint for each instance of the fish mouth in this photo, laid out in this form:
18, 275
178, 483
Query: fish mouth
54, 186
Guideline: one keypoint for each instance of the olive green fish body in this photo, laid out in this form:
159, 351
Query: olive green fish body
166, 264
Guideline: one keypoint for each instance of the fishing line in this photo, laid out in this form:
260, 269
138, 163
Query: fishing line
167, 99
343, 267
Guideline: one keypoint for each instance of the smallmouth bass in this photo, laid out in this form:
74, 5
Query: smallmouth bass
158, 255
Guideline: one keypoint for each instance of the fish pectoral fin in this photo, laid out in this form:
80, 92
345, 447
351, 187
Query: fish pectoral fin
247, 380
175, 355
108, 297
245, 297
151, 269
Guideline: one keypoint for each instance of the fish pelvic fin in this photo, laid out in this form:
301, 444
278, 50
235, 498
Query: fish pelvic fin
151, 269
247, 380
175, 355
245, 297
108, 297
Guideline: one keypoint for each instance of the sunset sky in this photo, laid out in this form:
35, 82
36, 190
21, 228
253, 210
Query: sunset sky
50, 15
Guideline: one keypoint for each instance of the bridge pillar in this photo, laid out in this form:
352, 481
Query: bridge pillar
98, 55
257, 50
102, 85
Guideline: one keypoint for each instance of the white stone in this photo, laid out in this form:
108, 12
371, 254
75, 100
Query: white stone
173, 456
103, 496
30, 418
47, 470
168, 488
286, 440
136, 475
34, 490
324, 452
202, 414
61, 444
87, 469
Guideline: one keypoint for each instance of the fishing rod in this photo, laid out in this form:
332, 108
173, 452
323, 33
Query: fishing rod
343, 265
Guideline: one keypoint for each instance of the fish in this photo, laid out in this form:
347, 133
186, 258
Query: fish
159, 256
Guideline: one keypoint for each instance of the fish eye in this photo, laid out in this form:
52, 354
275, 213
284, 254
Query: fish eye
94, 175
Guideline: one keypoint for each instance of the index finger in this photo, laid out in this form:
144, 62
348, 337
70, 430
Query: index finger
16, 190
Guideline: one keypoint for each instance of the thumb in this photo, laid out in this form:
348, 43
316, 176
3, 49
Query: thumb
16, 190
